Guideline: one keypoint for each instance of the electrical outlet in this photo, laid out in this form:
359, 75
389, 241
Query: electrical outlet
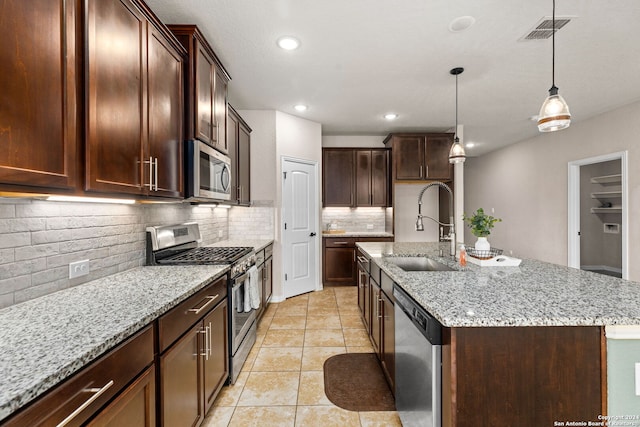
637, 379
369, 226
220, 233
78, 268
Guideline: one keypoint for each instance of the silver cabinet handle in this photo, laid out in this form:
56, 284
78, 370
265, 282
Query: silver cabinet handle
150, 184
207, 341
363, 260
155, 176
379, 311
426, 175
340, 243
210, 349
210, 298
97, 393
420, 171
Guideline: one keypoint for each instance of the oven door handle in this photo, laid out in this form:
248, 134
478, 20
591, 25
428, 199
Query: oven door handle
238, 281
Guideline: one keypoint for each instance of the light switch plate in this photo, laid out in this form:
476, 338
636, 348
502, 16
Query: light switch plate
78, 268
637, 379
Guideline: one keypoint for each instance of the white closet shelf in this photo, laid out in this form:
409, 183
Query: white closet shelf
606, 194
612, 209
607, 179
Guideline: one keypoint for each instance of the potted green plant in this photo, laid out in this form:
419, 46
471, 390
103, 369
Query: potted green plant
481, 225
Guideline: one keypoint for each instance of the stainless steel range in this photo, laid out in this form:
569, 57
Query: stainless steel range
178, 245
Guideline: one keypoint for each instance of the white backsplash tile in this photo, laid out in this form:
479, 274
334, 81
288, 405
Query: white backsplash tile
355, 220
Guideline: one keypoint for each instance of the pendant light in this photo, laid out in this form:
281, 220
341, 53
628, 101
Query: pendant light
554, 113
457, 154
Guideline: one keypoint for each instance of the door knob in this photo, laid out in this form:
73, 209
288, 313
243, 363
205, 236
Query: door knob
312, 234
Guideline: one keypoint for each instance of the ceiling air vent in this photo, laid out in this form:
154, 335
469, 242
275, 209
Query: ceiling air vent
544, 28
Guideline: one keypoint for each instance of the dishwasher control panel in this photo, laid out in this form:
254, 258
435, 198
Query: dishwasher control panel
427, 324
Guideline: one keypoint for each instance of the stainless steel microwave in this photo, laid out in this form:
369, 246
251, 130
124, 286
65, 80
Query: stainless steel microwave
208, 173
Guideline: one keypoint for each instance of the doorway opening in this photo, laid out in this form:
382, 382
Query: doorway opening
598, 220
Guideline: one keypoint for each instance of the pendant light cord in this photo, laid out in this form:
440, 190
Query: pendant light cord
553, 46
456, 133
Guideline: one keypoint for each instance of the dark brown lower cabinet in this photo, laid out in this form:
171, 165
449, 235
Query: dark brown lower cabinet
216, 364
387, 341
124, 376
194, 368
534, 376
134, 407
375, 331
180, 369
339, 264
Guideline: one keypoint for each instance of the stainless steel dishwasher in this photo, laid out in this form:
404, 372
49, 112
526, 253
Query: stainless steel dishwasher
418, 383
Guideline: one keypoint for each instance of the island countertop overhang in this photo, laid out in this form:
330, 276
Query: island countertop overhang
534, 294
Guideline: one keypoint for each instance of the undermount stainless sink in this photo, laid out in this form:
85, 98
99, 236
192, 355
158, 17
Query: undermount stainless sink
416, 263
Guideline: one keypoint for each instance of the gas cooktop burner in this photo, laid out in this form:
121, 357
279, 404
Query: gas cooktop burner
208, 255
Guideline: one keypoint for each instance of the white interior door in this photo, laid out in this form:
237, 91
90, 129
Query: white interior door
300, 226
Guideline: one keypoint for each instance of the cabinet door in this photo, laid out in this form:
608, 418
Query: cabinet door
437, 157
267, 282
338, 177
363, 178
388, 350
408, 154
375, 331
204, 95
232, 152
340, 265
165, 115
216, 349
39, 113
244, 165
180, 381
364, 296
116, 81
219, 136
379, 178
134, 407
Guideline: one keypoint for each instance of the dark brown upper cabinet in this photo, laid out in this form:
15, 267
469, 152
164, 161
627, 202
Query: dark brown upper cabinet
372, 177
134, 101
338, 177
206, 83
355, 177
420, 157
41, 102
239, 144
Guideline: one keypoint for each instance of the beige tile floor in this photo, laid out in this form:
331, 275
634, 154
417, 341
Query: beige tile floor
282, 382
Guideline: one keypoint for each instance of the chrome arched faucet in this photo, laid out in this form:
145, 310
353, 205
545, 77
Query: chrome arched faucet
420, 226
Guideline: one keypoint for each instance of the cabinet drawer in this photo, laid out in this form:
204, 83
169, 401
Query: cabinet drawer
348, 242
375, 272
387, 285
101, 381
179, 319
268, 252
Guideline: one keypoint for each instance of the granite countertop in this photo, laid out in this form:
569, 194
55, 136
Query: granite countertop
256, 243
45, 340
534, 294
358, 234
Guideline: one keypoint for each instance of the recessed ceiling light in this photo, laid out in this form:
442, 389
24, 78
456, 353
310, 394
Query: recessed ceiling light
469, 145
461, 23
288, 42
300, 107
391, 116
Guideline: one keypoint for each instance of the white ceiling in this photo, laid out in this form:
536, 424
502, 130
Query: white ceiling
360, 59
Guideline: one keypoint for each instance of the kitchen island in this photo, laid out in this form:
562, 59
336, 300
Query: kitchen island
521, 345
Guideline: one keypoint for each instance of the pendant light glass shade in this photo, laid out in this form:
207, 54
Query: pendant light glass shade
457, 153
554, 113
